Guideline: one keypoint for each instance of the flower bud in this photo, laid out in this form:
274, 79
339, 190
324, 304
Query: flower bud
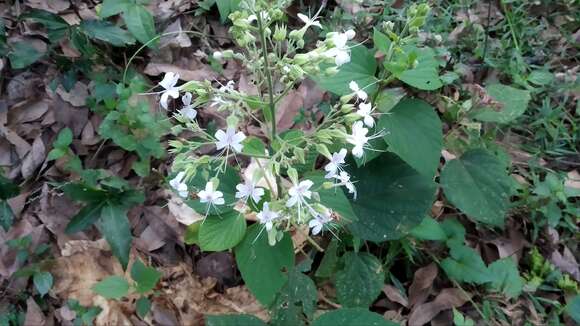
327, 185
346, 108
330, 71
346, 98
293, 175
323, 150
280, 33
218, 55
351, 117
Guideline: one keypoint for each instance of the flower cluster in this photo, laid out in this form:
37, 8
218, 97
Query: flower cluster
271, 185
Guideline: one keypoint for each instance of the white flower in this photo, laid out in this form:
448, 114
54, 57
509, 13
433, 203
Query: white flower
309, 21
340, 52
168, 83
267, 217
211, 196
319, 221
247, 190
229, 139
350, 34
360, 94
358, 138
335, 163
188, 111
344, 179
298, 192
365, 110
218, 55
178, 184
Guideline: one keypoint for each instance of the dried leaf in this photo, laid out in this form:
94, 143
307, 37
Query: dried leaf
77, 96
34, 315
203, 73
422, 282
395, 295
177, 38
566, 262
27, 112
34, 158
447, 299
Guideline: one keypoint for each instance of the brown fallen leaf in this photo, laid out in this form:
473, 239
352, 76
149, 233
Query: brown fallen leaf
34, 158
26, 85
8, 262
573, 180
203, 73
21, 146
395, 295
447, 299
77, 96
34, 315
27, 111
54, 6
422, 283
566, 262
177, 38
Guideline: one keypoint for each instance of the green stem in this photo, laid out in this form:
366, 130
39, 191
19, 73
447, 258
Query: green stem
268, 75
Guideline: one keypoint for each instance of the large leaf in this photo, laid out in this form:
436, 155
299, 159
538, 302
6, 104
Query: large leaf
23, 55
361, 280
392, 198
223, 232
263, 267
114, 225
413, 131
425, 75
506, 278
113, 7
429, 229
573, 308
351, 316
477, 184
107, 32
140, 23
465, 265
233, 320
361, 69
296, 301
514, 103
333, 198
112, 287
225, 7
86, 217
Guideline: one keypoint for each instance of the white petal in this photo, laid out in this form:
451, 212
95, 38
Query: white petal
292, 201
350, 34
186, 99
341, 58
238, 137
317, 24
218, 201
303, 18
353, 86
169, 80
369, 121
357, 151
237, 147
163, 100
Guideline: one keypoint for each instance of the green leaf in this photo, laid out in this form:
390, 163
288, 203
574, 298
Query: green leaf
429, 229
22, 55
7, 188
514, 103
389, 98
506, 278
381, 41
218, 233
225, 7
425, 75
143, 306
113, 7
414, 133
107, 32
254, 146
42, 282
84, 193
296, 301
192, 233
86, 217
465, 265
573, 308
114, 225
361, 280
333, 198
64, 138
329, 261
55, 154
233, 320
477, 183
361, 69
140, 23
394, 199
264, 267
540, 77
6, 215
48, 19
351, 316
145, 277
112, 287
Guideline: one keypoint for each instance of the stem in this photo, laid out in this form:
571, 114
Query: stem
268, 75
